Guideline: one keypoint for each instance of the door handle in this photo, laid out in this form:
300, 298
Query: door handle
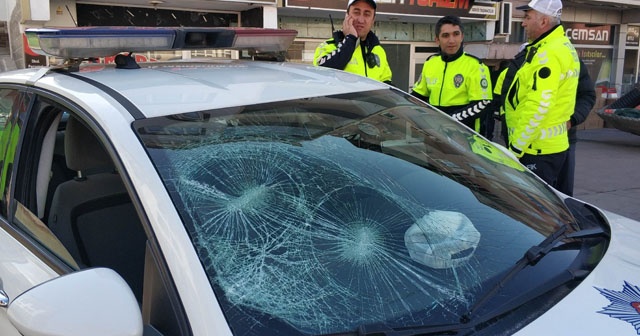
4, 299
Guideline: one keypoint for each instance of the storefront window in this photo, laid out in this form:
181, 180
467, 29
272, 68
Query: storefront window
4, 38
101, 15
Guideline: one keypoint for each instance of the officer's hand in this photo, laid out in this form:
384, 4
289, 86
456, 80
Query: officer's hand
347, 26
569, 125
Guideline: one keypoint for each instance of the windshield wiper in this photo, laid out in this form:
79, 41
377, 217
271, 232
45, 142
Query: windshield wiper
531, 258
379, 329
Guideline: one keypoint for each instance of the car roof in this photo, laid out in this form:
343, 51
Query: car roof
164, 88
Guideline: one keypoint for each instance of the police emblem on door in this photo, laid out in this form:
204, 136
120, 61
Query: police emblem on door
457, 80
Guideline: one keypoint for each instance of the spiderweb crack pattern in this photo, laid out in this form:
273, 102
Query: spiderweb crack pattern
312, 234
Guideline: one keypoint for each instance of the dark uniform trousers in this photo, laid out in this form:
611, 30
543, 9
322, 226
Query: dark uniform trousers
547, 167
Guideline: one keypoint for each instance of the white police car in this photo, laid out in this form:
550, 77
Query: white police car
244, 197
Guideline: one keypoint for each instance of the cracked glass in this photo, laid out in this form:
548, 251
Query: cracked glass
325, 214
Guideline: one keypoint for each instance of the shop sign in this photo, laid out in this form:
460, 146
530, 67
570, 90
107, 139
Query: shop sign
31, 58
434, 8
633, 36
581, 33
598, 63
35, 61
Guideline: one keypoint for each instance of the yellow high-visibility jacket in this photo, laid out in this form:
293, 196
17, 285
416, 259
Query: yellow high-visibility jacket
459, 85
347, 53
542, 96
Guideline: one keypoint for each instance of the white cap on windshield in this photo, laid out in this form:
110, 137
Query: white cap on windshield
442, 239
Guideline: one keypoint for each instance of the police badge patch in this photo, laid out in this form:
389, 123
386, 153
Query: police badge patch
457, 80
484, 83
625, 304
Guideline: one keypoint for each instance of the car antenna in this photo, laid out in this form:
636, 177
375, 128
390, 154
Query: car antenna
71, 15
336, 37
332, 27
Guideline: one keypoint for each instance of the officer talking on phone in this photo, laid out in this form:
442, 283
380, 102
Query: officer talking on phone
356, 48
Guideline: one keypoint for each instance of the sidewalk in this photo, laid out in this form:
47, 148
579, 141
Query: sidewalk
608, 170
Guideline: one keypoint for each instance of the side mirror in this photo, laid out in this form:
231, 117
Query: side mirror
93, 302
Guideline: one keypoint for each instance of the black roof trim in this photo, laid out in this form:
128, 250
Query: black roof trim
133, 110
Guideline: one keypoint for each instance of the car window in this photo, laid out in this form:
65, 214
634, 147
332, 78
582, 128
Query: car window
32, 178
71, 198
319, 215
13, 107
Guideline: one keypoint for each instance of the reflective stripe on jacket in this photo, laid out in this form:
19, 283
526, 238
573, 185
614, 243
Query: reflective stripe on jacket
542, 96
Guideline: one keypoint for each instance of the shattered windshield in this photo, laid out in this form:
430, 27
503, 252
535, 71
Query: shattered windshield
319, 215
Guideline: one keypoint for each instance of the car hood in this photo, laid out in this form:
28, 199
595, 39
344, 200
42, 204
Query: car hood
607, 302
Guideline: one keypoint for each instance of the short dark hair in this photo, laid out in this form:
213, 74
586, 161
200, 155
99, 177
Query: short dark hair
449, 19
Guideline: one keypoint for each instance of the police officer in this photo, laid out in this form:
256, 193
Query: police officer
452, 80
356, 48
542, 96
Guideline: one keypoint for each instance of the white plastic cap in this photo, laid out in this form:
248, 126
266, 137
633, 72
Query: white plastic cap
547, 7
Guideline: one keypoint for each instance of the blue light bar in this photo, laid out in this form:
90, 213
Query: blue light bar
98, 41
86, 42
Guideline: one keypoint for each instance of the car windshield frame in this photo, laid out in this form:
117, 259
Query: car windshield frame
322, 214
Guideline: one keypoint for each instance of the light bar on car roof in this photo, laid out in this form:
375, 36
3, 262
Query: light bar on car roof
85, 42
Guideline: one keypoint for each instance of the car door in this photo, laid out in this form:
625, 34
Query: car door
32, 250
20, 268
65, 209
